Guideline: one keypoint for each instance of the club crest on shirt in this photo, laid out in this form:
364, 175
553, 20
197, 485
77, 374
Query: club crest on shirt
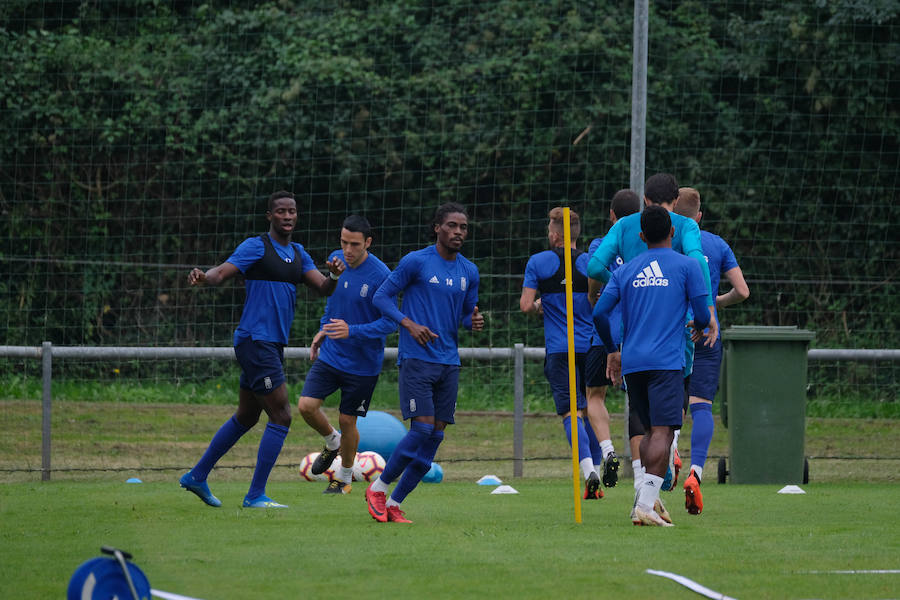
364, 290
462, 283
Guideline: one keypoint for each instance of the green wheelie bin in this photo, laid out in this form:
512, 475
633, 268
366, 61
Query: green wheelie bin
763, 404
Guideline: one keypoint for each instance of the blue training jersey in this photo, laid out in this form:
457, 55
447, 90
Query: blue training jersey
655, 290
438, 294
720, 259
269, 305
624, 239
544, 265
615, 317
363, 352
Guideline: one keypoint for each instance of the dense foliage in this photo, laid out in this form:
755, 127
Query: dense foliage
139, 138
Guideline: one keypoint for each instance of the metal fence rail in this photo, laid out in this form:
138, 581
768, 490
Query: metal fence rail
518, 353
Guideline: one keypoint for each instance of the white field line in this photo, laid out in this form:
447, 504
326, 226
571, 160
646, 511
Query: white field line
691, 585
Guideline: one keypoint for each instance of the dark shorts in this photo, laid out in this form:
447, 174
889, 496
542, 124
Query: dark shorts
635, 427
428, 389
657, 397
322, 380
705, 378
556, 369
595, 367
262, 365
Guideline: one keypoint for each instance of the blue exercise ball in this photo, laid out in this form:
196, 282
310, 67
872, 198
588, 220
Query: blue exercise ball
435, 474
380, 432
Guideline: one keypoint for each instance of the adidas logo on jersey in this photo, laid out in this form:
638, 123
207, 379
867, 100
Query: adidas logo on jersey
651, 276
433, 279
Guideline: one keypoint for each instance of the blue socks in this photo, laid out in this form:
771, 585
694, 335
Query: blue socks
269, 449
584, 444
701, 433
406, 450
593, 444
229, 433
418, 467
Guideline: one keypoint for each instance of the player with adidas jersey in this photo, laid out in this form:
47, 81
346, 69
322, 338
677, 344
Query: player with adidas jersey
655, 290
545, 274
440, 292
347, 352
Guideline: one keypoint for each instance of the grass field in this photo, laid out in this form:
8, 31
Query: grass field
750, 542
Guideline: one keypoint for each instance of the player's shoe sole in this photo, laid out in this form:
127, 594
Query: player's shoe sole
592, 489
395, 515
611, 470
199, 488
642, 516
376, 501
262, 501
324, 460
338, 487
693, 499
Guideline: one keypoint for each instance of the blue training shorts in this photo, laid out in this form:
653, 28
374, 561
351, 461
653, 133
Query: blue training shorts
595, 367
428, 389
262, 365
705, 378
657, 397
322, 380
556, 369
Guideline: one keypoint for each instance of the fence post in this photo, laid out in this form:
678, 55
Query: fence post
518, 409
47, 377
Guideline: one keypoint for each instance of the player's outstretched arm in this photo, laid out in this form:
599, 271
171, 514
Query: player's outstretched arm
214, 276
325, 285
529, 304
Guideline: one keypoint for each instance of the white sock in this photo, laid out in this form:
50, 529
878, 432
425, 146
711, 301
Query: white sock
391, 502
346, 474
638, 472
649, 492
675, 439
699, 470
606, 446
333, 440
587, 467
379, 486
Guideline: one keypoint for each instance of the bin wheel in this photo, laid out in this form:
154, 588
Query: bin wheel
722, 471
805, 470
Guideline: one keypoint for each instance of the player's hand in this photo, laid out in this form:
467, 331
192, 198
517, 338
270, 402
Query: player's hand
315, 345
539, 307
713, 334
614, 367
337, 329
196, 277
420, 333
477, 320
336, 266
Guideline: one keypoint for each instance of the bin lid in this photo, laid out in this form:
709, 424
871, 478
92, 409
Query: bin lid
760, 332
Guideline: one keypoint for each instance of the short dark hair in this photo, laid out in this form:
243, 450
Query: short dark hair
660, 188
278, 196
359, 224
625, 202
440, 215
655, 223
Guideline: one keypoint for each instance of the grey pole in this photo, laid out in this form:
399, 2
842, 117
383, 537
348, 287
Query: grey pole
518, 409
47, 377
639, 97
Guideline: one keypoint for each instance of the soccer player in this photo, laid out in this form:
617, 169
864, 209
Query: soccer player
707, 360
624, 202
655, 290
440, 292
272, 267
624, 240
545, 273
347, 352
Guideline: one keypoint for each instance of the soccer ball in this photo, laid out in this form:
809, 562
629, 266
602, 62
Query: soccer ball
306, 464
368, 466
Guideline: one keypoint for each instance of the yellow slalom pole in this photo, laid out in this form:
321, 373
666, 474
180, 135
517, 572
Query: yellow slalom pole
570, 334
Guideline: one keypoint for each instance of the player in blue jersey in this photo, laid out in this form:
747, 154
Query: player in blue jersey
655, 290
624, 202
440, 292
624, 240
707, 360
347, 352
545, 274
272, 267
